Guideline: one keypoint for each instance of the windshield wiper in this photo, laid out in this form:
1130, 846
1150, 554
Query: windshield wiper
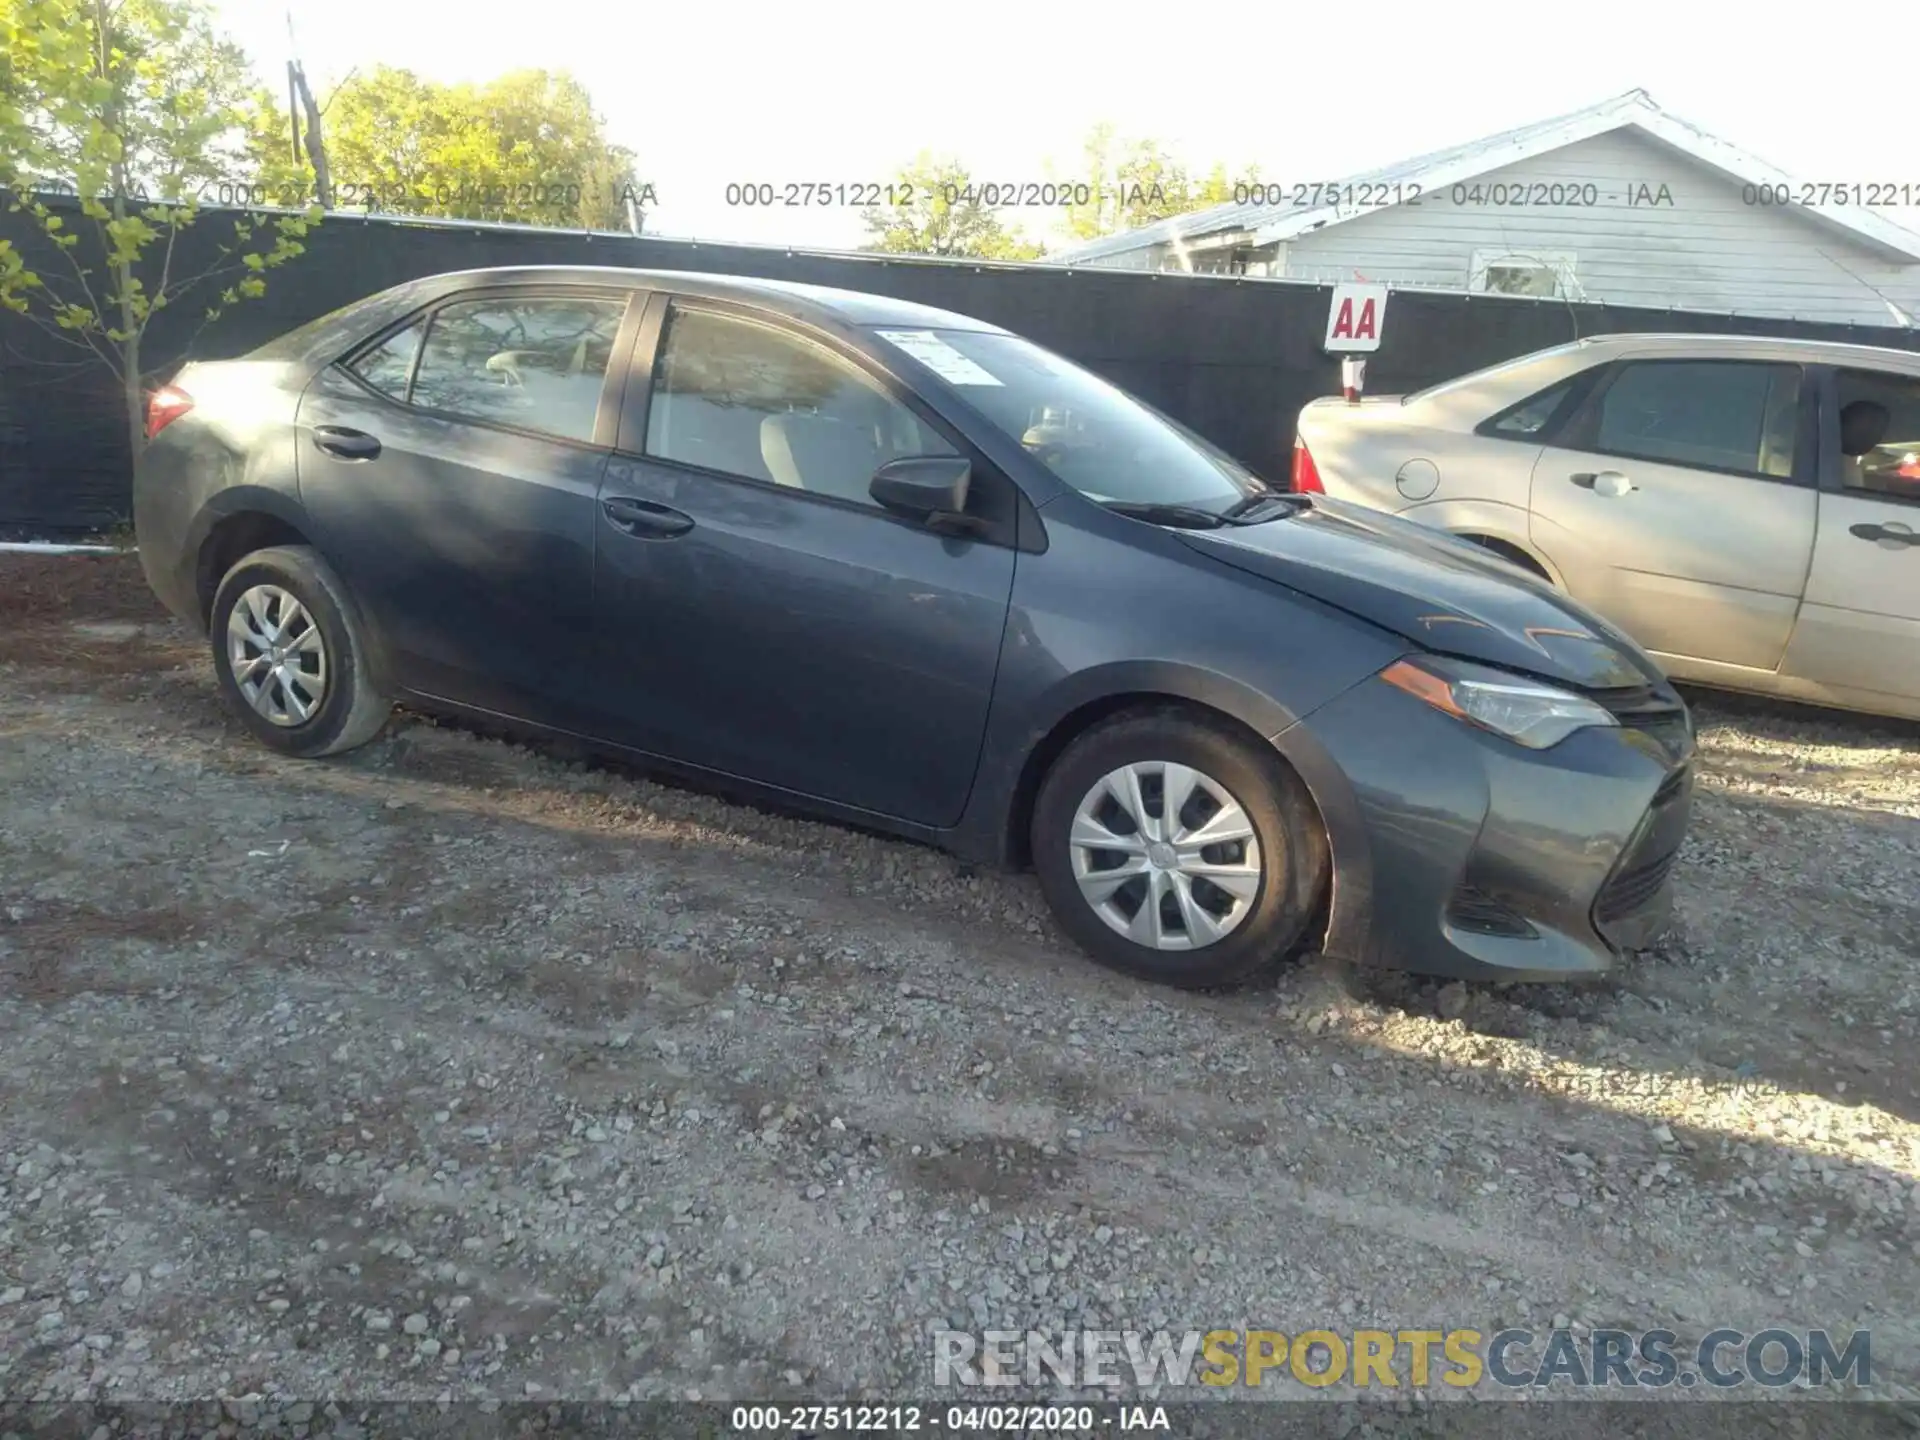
1244, 510
1187, 517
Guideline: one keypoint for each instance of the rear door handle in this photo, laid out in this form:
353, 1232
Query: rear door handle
644, 517
1894, 535
345, 444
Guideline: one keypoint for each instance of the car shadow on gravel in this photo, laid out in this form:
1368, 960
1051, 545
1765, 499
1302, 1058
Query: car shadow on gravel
1654, 988
1793, 720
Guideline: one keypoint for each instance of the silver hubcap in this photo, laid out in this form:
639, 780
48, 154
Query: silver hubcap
1165, 855
277, 657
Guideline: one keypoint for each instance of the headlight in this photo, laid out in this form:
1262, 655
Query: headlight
1528, 712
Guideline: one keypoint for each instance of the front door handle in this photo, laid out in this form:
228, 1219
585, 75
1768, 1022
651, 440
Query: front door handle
644, 517
1893, 535
1602, 482
344, 444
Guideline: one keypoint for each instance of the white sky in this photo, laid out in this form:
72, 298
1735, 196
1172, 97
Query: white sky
746, 90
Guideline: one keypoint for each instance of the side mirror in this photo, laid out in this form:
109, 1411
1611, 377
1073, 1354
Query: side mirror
923, 486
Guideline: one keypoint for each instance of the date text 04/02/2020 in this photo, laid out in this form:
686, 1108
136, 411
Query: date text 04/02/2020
396, 195
990, 194
961, 1419
1370, 194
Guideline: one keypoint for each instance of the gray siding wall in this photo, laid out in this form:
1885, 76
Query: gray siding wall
1708, 250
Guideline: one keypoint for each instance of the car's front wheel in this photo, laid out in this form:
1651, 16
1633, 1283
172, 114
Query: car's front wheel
1171, 849
291, 658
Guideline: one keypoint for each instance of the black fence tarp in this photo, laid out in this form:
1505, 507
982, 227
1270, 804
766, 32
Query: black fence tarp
1233, 358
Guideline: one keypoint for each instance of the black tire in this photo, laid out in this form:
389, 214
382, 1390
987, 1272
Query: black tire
1293, 849
351, 711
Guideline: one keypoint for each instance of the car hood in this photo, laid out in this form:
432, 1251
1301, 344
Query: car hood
1444, 594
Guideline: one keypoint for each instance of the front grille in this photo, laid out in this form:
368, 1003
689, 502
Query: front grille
1647, 862
1474, 909
1657, 713
1631, 888
1670, 787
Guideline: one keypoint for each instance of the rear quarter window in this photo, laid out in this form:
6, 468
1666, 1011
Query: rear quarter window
331, 335
1533, 415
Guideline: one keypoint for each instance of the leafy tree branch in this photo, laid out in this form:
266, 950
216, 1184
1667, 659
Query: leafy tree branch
114, 117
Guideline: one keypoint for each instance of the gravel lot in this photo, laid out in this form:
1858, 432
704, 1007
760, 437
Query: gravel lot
456, 1069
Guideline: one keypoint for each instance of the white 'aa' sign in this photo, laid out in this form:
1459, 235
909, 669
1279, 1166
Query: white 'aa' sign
1355, 318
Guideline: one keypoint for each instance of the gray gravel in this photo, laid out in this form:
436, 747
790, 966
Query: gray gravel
453, 1069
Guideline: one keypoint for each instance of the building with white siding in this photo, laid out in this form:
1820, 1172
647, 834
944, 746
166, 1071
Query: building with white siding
1621, 203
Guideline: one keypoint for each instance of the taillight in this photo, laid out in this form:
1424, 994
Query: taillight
168, 404
1306, 476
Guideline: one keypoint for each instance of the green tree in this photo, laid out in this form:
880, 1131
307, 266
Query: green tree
940, 210
1134, 183
527, 147
128, 109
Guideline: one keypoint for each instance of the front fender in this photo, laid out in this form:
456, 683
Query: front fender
1349, 935
1018, 732
1172, 679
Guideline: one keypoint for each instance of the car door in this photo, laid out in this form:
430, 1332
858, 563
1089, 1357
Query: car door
1860, 625
1679, 501
758, 613
452, 469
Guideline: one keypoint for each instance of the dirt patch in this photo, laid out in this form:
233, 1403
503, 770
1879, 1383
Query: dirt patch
52, 952
999, 1172
88, 622
74, 589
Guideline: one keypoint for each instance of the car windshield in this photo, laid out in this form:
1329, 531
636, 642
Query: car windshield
1093, 435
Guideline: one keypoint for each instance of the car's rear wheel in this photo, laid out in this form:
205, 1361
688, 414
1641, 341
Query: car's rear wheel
290, 656
1171, 849
1512, 554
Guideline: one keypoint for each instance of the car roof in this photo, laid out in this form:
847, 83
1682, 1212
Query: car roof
788, 297
1757, 346
1557, 362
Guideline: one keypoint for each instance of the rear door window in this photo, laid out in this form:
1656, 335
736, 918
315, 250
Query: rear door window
535, 362
1880, 434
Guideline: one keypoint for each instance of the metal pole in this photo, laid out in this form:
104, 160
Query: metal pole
1353, 377
293, 114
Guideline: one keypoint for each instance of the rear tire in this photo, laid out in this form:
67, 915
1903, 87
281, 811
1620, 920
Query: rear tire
291, 657
1227, 908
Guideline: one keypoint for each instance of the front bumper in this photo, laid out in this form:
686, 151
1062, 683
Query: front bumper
1459, 853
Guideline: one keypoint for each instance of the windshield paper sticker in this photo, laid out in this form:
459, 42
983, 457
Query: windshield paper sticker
940, 357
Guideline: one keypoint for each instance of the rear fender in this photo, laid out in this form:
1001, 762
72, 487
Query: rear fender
244, 502
1488, 518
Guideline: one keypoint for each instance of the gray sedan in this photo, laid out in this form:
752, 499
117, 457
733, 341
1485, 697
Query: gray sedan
913, 572
1747, 509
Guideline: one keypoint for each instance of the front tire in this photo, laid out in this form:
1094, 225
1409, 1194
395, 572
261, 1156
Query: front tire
291, 657
1173, 850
